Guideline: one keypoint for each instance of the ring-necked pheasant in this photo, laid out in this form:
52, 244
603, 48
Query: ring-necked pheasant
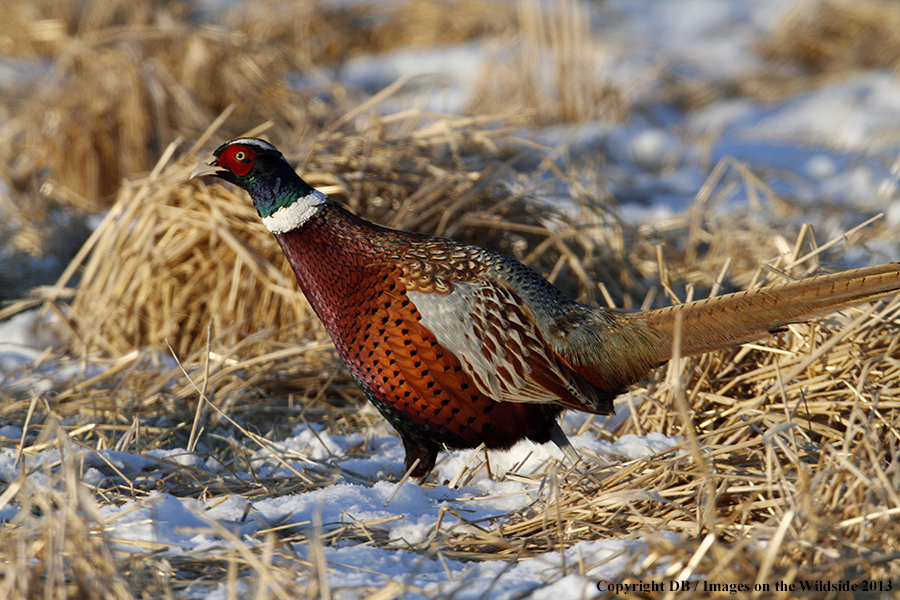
458, 345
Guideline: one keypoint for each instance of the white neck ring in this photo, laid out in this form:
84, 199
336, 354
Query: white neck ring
290, 217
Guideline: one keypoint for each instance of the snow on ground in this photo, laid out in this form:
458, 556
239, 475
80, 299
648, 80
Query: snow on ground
181, 526
838, 142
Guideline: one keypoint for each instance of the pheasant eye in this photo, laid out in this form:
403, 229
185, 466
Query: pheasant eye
240, 155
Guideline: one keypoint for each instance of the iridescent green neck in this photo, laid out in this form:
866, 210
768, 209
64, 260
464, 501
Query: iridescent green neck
283, 200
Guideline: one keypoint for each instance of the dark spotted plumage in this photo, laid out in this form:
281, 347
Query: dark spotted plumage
360, 285
457, 345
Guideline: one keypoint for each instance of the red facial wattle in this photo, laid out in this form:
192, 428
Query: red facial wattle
238, 159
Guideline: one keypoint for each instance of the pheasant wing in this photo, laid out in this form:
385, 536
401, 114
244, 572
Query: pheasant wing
494, 335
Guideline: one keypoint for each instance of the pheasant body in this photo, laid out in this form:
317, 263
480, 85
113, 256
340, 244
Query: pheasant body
375, 290
458, 345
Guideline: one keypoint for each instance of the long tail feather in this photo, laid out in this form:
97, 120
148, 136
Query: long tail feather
725, 321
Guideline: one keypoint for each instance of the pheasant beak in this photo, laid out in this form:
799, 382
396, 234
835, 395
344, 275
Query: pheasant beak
210, 167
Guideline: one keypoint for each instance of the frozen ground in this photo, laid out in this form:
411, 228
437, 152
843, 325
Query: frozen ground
839, 142
408, 513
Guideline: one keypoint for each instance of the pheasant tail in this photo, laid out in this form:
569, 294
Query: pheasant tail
726, 321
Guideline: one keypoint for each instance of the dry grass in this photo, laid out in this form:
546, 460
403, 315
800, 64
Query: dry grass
788, 472
790, 466
553, 71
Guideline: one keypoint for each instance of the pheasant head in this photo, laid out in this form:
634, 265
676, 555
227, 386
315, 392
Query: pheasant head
283, 200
